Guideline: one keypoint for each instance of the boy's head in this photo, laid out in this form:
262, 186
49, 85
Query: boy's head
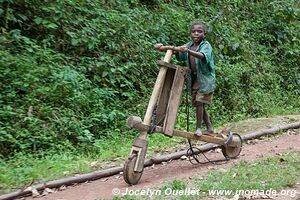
197, 32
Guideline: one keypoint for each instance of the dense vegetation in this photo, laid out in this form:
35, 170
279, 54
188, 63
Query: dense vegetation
72, 71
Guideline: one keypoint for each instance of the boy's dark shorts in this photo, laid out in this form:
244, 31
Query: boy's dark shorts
198, 98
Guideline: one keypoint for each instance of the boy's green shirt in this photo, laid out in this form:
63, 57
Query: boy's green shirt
205, 67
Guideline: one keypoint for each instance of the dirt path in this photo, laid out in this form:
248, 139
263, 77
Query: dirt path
181, 169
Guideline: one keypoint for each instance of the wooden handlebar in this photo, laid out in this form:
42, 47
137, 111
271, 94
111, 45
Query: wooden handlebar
161, 47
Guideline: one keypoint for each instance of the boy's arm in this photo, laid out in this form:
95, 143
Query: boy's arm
196, 54
204, 54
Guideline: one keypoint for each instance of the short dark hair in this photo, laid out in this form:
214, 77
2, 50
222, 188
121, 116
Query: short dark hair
198, 23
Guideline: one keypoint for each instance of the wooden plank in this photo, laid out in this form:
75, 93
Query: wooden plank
206, 137
136, 122
164, 97
156, 92
165, 94
174, 101
166, 64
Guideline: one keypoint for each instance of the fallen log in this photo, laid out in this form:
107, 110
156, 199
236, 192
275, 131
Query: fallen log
115, 170
263, 132
64, 181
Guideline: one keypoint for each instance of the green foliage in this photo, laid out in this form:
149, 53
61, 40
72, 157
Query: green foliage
72, 71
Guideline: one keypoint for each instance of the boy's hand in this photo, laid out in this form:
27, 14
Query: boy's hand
157, 46
181, 49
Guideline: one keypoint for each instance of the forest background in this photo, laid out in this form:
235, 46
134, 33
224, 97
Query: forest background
72, 71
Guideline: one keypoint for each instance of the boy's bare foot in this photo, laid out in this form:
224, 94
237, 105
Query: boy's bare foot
198, 132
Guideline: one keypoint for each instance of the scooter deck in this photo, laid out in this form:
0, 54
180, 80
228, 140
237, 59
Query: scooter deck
136, 122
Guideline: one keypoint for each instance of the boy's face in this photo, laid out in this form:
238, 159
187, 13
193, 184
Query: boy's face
197, 33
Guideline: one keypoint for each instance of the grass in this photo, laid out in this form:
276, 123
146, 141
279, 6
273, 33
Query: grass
25, 169
273, 172
276, 172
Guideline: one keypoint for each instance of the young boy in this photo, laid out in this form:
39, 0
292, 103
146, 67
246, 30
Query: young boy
198, 56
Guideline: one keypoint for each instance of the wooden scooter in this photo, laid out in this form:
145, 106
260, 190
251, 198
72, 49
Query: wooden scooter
164, 103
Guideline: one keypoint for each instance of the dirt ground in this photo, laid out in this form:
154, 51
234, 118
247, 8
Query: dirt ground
158, 175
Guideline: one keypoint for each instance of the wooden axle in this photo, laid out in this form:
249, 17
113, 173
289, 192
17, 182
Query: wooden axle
136, 122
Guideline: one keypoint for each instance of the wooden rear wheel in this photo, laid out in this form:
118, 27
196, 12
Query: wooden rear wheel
233, 151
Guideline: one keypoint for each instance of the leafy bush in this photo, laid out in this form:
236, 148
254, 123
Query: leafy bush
72, 71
